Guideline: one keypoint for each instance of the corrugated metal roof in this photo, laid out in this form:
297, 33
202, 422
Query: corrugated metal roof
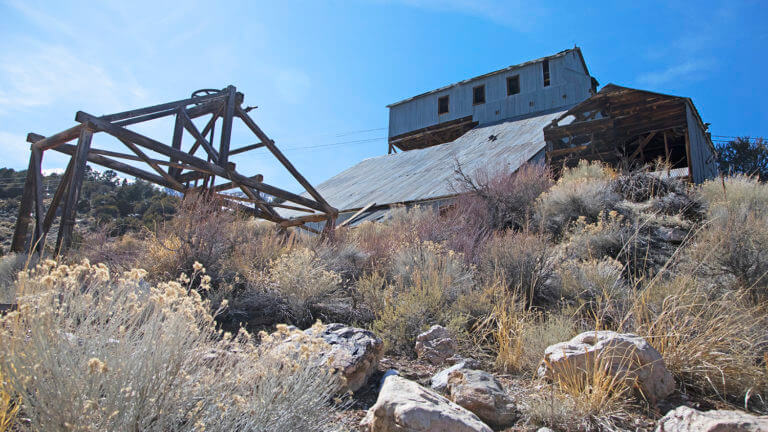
506, 69
418, 175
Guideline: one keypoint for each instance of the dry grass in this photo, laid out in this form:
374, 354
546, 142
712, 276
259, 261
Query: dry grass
9, 405
714, 346
87, 352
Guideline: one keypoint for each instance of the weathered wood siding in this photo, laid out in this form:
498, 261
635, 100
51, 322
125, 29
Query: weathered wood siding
569, 84
702, 156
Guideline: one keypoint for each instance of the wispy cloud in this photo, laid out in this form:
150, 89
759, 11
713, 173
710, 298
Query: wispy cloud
15, 149
691, 70
42, 74
517, 14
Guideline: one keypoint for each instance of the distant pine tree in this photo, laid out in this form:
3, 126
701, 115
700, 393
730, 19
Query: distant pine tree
744, 156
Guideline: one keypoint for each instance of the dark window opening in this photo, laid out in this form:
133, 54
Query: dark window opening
545, 68
478, 95
513, 85
442, 104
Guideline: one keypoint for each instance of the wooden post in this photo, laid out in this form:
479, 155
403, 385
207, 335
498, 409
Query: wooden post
226, 126
178, 131
666, 152
25, 208
37, 238
64, 240
688, 156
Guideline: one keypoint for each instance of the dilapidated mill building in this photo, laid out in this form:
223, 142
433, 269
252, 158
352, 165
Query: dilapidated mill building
545, 110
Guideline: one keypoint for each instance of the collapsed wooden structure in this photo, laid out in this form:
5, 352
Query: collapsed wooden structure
621, 125
177, 168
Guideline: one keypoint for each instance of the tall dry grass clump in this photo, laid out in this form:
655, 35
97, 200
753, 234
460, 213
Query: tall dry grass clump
715, 346
87, 351
9, 405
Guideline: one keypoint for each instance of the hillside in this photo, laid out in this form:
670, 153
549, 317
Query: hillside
597, 301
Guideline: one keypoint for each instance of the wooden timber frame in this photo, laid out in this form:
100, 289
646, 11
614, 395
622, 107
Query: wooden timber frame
432, 135
623, 127
176, 169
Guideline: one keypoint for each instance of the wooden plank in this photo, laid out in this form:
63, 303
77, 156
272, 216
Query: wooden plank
209, 127
226, 125
358, 213
64, 240
162, 107
302, 219
59, 138
565, 151
286, 163
688, 155
25, 209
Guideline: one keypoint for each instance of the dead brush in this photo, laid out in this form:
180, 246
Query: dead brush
9, 405
713, 346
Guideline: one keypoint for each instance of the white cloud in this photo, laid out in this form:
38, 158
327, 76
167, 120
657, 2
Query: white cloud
15, 150
292, 85
517, 14
41, 75
687, 71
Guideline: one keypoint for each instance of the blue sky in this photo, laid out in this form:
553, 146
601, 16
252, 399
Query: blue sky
322, 72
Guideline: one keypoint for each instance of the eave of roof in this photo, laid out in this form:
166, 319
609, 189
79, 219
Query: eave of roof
506, 69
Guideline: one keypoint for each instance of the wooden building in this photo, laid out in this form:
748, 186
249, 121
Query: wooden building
624, 126
442, 115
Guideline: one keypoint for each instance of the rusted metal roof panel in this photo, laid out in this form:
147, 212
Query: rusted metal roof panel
425, 174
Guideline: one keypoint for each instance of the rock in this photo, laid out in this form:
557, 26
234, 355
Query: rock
626, 355
672, 235
435, 345
354, 352
387, 374
685, 419
481, 393
470, 363
544, 429
439, 381
405, 406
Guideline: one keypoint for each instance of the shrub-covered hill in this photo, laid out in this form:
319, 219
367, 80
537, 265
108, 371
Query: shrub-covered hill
520, 263
106, 203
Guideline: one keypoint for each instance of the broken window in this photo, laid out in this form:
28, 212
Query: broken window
478, 95
513, 85
442, 104
545, 68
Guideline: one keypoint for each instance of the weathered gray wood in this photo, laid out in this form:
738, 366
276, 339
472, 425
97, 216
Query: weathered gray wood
59, 138
358, 213
209, 128
226, 125
189, 126
193, 112
121, 167
162, 107
25, 209
161, 148
177, 186
247, 148
283, 160
64, 240
38, 237
178, 134
50, 215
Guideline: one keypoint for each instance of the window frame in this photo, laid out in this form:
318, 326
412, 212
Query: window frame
546, 73
509, 80
474, 89
447, 100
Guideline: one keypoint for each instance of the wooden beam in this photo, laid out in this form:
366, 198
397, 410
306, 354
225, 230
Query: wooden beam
38, 236
134, 148
358, 213
303, 219
226, 125
161, 148
189, 126
688, 155
246, 148
25, 209
121, 167
209, 127
59, 138
50, 215
178, 132
286, 163
642, 145
64, 240
162, 107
